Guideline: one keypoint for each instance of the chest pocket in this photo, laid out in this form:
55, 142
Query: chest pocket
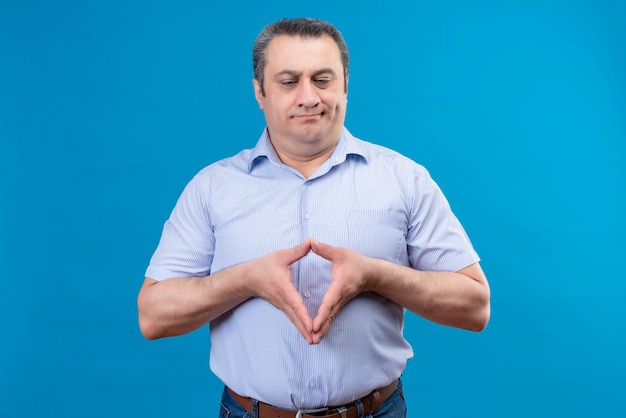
378, 234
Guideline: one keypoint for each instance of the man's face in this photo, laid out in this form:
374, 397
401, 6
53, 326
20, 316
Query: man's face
305, 94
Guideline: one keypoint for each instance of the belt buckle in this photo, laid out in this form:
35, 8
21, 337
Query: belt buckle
309, 411
343, 411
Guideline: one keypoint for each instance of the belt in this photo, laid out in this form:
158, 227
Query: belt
370, 402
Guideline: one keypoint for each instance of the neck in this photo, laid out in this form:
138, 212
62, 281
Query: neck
305, 164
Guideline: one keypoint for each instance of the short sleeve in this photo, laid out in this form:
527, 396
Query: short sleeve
436, 239
187, 242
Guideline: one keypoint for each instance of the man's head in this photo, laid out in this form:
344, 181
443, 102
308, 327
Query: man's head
301, 70
298, 27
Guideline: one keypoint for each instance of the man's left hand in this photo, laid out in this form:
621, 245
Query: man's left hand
350, 277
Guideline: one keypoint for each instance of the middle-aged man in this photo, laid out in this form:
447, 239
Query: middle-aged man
303, 252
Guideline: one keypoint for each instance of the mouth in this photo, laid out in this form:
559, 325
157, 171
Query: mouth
310, 116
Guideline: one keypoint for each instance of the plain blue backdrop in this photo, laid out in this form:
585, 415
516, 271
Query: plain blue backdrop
517, 108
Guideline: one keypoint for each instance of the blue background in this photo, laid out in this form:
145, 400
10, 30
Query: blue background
517, 108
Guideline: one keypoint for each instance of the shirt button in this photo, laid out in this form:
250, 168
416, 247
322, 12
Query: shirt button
307, 216
312, 385
307, 294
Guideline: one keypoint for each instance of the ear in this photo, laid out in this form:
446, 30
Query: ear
258, 94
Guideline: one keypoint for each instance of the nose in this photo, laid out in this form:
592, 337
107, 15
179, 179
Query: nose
307, 95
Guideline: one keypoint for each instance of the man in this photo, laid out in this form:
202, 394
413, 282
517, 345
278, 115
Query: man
303, 252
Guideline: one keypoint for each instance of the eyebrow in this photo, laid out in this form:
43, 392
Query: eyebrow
299, 73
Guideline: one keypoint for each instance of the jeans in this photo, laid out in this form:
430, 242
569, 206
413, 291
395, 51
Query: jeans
393, 407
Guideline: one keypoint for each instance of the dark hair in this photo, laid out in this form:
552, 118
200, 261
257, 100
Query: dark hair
303, 27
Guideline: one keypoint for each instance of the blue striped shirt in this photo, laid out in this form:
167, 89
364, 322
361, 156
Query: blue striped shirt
364, 197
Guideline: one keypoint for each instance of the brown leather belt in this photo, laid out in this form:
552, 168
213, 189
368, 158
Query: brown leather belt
371, 402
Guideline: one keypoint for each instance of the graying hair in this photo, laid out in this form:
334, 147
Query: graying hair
303, 27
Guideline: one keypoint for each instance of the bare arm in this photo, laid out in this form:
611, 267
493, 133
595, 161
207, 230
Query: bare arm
458, 299
178, 306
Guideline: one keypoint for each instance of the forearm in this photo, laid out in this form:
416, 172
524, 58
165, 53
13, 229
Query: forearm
457, 299
178, 306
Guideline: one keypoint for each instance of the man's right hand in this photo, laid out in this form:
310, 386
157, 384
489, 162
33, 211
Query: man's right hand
178, 306
271, 280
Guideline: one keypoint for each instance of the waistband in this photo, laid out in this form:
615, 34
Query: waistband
371, 402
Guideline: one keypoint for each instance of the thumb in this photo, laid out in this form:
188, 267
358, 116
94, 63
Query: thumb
294, 254
321, 249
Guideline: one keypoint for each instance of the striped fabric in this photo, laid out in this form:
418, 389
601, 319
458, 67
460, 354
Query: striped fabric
364, 197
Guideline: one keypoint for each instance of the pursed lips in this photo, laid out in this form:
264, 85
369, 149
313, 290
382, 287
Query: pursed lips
309, 116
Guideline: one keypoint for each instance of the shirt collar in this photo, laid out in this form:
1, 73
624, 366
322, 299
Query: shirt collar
347, 145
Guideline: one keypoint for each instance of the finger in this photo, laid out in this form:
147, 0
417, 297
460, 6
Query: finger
293, 306
329, 308
325, 315
323, 329
299, 315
